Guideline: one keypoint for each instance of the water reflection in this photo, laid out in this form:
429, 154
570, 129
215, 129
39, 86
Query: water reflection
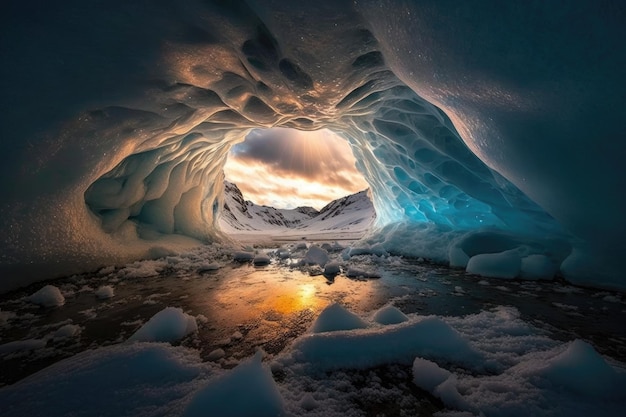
251, 293
242, 308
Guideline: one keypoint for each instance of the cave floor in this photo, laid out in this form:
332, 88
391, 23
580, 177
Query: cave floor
240, 307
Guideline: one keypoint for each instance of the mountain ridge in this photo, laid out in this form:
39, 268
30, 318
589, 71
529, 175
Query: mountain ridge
354, 212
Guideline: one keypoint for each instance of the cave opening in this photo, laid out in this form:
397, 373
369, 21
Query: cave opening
284, 182
287, 168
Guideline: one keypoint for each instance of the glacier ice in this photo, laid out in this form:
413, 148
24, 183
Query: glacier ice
480, 127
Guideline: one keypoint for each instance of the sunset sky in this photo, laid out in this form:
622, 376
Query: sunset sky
287, 168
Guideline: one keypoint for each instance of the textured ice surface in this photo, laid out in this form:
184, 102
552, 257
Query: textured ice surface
168, 325
247, 390
116, 121
492, 363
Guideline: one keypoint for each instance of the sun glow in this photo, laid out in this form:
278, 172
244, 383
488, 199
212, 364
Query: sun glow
287, 168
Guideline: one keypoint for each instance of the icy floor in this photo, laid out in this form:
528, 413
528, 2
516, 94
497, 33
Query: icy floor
240, 308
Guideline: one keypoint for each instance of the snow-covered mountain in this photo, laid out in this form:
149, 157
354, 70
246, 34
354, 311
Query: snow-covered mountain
351, 213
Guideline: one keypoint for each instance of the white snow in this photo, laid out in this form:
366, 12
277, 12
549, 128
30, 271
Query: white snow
48, 296
491, 363
334, 347
495, 265
427, 374
389, 315
352, 214
168, 325
247, 390
335, 317
140, 379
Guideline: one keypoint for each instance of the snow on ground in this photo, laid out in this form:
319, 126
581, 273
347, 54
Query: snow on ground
491, 363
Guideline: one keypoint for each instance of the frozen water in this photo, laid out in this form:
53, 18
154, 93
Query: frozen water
389, 315
66, 331
504, 264
48, 296
428, 375
247, 390
261, 259
168, 325
451, 133
316, 256
121, 380
335, 317
493, 361
104, 292
581, 370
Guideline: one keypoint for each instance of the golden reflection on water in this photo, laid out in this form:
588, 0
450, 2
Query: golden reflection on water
248, 293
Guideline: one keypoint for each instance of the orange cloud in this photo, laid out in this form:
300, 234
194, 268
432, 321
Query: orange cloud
287, 168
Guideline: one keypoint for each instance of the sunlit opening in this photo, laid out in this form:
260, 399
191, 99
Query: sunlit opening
288, 168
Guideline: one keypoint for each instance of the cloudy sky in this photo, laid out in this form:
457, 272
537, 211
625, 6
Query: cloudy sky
287, 168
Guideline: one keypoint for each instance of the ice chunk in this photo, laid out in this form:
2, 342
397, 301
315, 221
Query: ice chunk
308, 403
495, 265
316, 256
119, 380
243, 256
389, 315
48, 296
261, 259
538, 267
582, 370
335, 317
332, 269
357, 272
168, 325
104, 292
428, 337
427, 374
247, 390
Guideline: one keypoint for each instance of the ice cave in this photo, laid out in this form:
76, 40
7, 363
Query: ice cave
489, 284
496, 127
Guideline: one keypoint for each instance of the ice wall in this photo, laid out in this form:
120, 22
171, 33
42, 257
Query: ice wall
117, 118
